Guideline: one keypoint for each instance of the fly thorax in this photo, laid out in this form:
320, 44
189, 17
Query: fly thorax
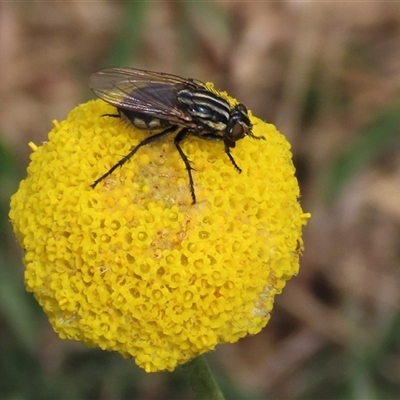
206, 108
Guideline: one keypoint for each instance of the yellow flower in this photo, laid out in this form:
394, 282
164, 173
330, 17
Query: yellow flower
132, 266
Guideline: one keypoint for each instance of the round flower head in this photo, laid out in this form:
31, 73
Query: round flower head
131, 265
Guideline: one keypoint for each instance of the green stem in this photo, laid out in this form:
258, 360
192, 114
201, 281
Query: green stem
201, 380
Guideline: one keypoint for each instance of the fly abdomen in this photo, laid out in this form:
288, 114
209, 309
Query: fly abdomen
143, 121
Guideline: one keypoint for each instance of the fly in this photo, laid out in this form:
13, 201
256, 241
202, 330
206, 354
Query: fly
156, 101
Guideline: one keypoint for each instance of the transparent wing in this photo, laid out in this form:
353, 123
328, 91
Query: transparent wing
151, 93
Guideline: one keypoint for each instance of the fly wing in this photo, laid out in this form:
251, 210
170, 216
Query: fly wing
150, 93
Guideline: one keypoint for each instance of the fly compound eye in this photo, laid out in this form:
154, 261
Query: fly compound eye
242, 108
237, 132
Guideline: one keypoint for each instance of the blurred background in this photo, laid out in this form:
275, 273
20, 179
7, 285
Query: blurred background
328, 76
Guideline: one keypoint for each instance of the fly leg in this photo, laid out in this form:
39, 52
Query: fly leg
178, 138
145, 142
214, 137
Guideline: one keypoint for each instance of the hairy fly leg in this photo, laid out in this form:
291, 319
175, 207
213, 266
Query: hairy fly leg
178, 138
145, 142
214, 137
